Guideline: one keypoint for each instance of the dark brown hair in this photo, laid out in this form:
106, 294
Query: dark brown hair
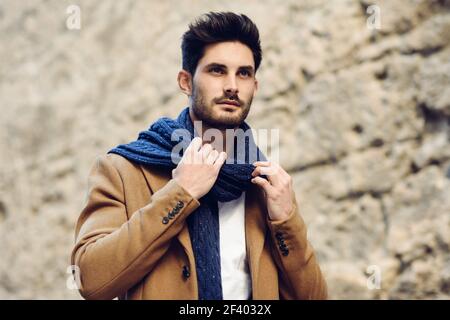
216, 27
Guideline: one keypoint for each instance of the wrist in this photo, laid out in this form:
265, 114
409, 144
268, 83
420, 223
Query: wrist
191, 192
281, 216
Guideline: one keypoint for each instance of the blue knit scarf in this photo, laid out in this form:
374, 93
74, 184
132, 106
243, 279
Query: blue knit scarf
154, 147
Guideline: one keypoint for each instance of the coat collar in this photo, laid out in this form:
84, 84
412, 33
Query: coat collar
255, 225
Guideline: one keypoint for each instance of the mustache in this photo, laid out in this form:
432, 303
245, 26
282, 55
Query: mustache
234, 98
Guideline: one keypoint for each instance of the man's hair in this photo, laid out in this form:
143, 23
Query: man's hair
214, 27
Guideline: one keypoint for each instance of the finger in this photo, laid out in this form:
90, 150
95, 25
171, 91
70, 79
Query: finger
191, 151
195, 144
272, 173
212, 157
206, 150
220, 160
262, 163
201, 153
263, 171
264, 184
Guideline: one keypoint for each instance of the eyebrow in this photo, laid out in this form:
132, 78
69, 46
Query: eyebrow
219, 65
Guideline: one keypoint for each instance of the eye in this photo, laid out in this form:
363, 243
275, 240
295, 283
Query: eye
216, 70
245, 73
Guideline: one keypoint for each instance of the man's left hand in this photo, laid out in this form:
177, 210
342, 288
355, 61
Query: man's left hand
278, 189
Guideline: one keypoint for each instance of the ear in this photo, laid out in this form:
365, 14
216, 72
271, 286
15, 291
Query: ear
185, 82
256, 85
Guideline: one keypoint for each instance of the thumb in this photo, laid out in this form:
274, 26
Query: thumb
263, 183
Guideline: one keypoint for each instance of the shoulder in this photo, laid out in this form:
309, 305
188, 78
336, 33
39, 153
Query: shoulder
132, 173
115, 167
119, 162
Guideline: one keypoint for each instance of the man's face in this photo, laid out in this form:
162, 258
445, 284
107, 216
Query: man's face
224, 84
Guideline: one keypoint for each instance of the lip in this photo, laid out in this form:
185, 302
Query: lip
232, 103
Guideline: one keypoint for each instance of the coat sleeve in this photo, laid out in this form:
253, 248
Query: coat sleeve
300, 274
112, 253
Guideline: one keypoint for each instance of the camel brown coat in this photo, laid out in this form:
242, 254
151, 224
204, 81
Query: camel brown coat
128, 246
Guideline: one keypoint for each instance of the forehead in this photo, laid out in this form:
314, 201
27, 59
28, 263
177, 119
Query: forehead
232, 54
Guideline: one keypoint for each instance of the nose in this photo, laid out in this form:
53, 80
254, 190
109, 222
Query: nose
230, 87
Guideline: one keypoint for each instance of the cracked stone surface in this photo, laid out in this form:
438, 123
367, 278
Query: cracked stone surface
364, 119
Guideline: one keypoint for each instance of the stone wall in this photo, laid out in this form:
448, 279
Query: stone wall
363, 113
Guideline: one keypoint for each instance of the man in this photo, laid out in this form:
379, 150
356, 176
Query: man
201, 225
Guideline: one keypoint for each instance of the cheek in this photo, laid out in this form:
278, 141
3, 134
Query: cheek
211, 88
247, 90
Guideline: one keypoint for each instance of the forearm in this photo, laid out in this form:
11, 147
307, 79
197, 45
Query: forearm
113, 253
294, 255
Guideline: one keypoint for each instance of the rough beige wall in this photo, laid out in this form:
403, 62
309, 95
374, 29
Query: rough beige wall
364, 117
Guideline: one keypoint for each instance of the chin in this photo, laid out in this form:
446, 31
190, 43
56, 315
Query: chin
228, 122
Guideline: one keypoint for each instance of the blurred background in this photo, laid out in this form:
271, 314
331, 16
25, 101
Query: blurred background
360, 91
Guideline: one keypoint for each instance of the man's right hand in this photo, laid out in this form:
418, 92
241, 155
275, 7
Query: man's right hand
199, 167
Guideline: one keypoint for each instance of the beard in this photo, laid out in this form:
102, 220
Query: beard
213, 116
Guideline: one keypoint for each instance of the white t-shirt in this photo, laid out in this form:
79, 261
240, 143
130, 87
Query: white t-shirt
236, 281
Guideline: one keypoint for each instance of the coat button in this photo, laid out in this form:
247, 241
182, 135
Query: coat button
283, 246
186, 272
165, 220
285, 252
171, 215
179, 205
